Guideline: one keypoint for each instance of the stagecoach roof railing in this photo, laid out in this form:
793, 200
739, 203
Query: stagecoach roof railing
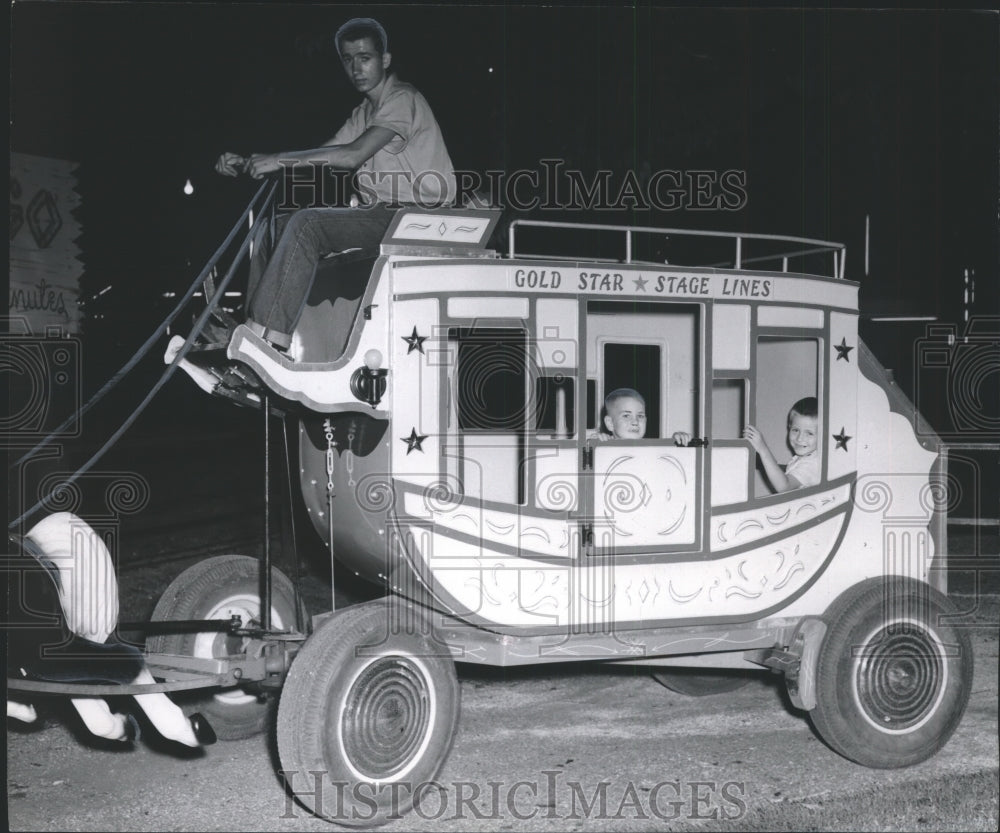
784, 257
837, 250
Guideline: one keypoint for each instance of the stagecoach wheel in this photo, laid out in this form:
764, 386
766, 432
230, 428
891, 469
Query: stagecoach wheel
893, 675
367, 714
701, 683
219, 588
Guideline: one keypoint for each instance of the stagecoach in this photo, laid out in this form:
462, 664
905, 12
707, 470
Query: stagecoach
447, 398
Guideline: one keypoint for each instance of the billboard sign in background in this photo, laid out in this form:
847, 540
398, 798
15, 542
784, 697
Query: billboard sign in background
45, 266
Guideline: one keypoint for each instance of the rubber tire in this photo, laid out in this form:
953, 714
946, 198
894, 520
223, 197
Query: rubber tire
695, 682
847, 711
331, 683
195, 594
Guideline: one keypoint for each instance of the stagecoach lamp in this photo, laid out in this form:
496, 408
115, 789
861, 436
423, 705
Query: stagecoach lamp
368, 382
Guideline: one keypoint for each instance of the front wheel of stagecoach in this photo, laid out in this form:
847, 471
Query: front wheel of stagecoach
894, 673
220, 588
367, 715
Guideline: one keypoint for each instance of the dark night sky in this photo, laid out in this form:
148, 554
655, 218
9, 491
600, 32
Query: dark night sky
833, 115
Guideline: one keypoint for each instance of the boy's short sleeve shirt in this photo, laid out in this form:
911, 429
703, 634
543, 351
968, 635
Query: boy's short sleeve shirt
414, 167
805, 468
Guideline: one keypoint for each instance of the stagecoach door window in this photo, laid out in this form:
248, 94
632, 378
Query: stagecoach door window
492, 389
645, 495
636, 366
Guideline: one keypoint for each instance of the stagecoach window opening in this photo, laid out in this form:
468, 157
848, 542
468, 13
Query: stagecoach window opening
555, 406
788, 369
492, 373
728, 408
493, 403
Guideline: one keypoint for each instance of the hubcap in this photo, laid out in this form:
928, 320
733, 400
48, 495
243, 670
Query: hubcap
216, 645
900, 675
387, 718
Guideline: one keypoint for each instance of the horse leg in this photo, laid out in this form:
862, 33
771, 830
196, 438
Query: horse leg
99, 720
164, 714
88, 594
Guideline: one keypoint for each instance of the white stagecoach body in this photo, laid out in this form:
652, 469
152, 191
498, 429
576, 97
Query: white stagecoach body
476, 485
448, 406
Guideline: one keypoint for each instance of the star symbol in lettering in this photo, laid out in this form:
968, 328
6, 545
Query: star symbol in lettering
842, 439
414, 441
843, 350
640, 283
414, 341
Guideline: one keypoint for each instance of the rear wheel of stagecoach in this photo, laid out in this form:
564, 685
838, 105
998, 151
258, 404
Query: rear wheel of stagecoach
220, 588
894, 673
367, 714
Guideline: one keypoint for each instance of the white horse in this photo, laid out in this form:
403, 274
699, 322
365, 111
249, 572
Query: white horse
88, 595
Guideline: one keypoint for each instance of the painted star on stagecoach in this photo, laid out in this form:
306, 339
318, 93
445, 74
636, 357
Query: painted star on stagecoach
843, 350
414, 441
414, 341
640, 283
842, 439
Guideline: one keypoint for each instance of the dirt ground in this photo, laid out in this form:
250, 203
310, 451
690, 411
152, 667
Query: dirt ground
533, 748
534, 745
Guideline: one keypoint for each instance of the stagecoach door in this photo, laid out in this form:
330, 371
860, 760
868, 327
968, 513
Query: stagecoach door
645, 496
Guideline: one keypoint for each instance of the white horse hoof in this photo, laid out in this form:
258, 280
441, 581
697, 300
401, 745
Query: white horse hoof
21, 711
